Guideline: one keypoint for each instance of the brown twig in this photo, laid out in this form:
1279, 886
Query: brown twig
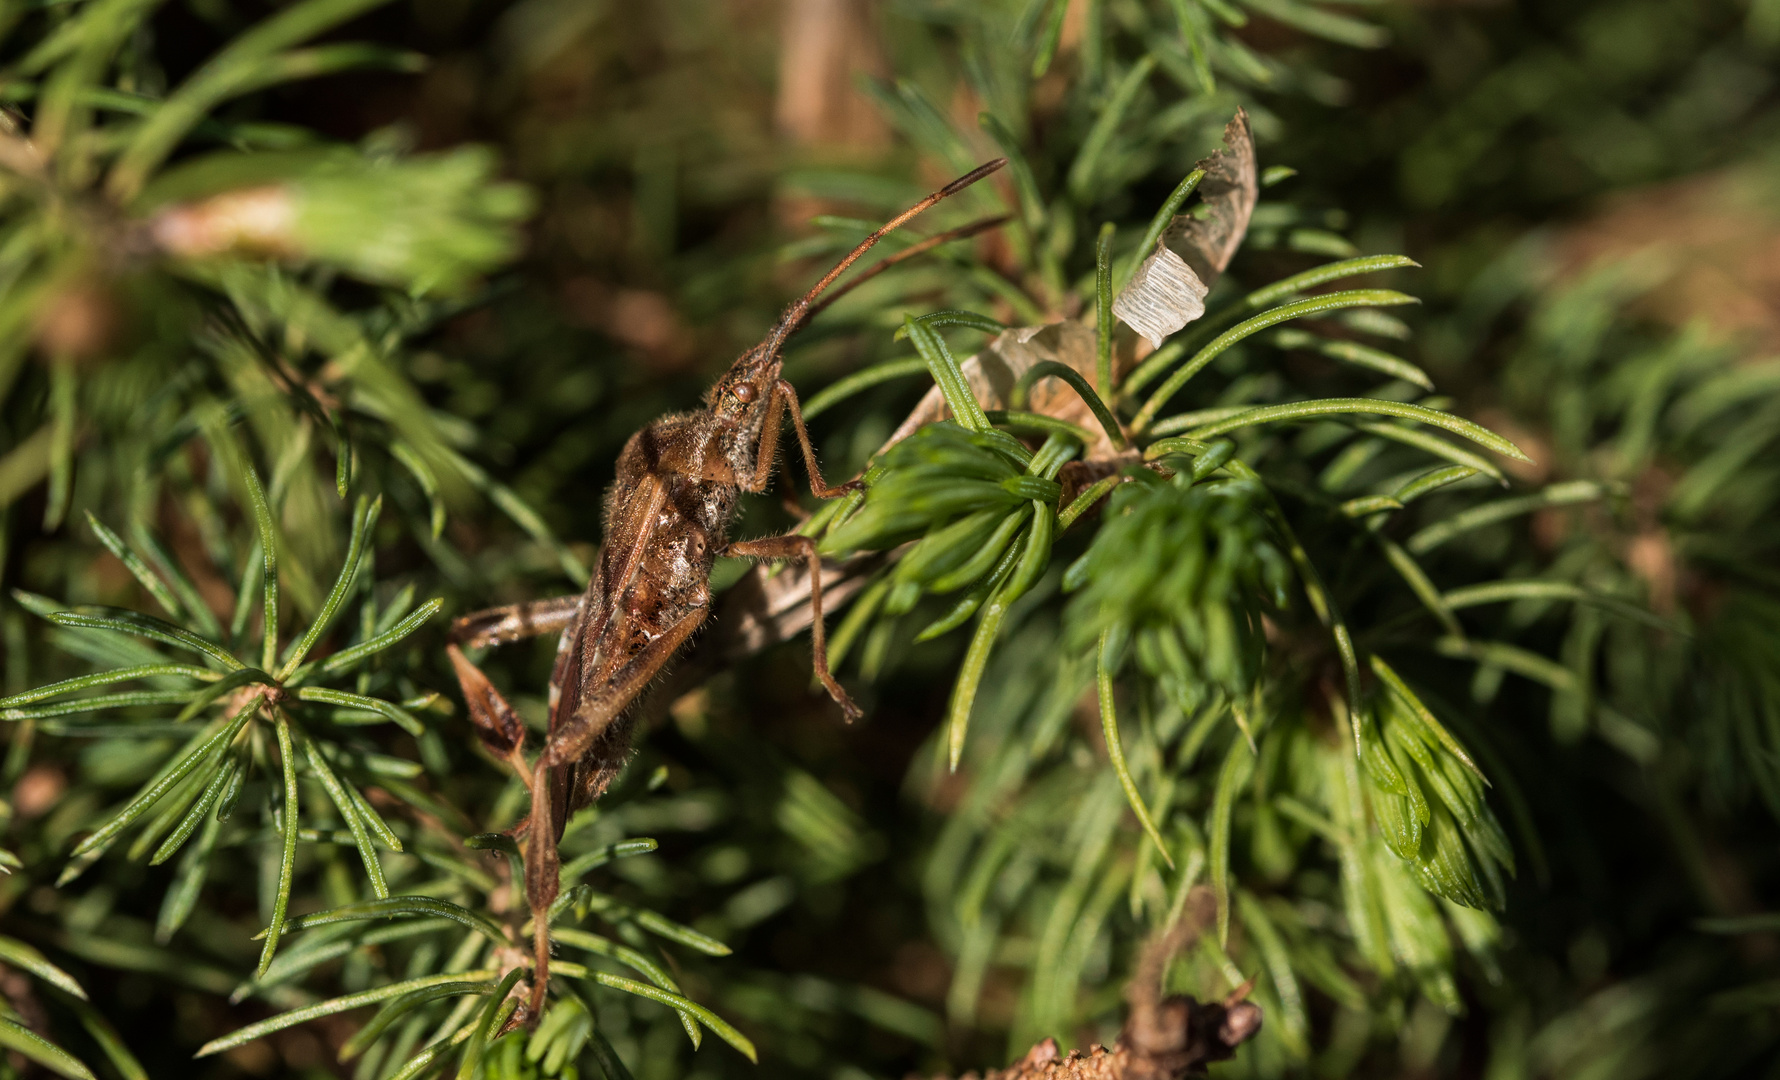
1164, 1038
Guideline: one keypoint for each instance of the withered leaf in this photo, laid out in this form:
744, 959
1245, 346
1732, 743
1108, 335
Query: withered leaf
1227, 195
1168, 290
1166, 293
993, 372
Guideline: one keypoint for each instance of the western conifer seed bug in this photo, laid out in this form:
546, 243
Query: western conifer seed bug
668, 516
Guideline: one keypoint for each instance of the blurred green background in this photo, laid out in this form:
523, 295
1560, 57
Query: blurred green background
1589, 186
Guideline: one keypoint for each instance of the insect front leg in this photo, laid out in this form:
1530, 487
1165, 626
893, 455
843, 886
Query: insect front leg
785, 400
788, 395
803, 547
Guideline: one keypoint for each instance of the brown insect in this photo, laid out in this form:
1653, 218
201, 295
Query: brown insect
667, 520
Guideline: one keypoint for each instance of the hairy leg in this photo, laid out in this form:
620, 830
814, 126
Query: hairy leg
572, 739
496, 723
817, 485
515, 622
802, 547
575, 733
543, 870
785, 401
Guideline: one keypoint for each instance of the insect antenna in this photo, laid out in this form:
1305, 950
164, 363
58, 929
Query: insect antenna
798, 312
910, 252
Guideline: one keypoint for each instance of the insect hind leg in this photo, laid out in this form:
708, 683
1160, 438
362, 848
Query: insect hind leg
543, 879
595, 713
496, 723
581, 731
515, 622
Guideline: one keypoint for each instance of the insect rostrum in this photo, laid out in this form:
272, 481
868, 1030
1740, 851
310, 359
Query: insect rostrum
667, 520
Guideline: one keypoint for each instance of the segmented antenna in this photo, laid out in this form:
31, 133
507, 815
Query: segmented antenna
912, 251
794, 315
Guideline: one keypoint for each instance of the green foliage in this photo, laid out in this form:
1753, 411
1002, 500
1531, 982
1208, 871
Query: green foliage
426, 224
1175, 570
115, 297
204, 759
1334, 622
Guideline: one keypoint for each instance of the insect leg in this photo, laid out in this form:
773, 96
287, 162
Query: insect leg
585, 629
497, 724
515, 622
817, 485
543, 874
785, 399
575, 735
571, 741
803, 547
768, 454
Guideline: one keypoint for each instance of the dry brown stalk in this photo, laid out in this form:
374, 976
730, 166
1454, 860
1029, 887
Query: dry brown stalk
1164, 1038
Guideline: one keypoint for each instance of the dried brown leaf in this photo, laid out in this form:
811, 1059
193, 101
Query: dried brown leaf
993, 372
1208, 238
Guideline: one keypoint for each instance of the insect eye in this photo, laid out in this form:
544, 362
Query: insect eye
744, 393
